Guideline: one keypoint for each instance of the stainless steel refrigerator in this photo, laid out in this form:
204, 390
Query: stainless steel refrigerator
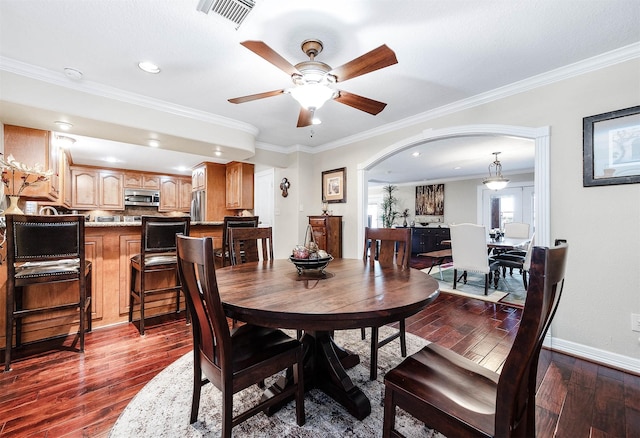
198, 202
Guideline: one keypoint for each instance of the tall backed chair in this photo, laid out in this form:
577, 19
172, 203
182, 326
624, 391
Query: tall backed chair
157, 255
234, 360
458, 397
250, 244
45, 249
223, 255
516, 230
469, 252
391, 246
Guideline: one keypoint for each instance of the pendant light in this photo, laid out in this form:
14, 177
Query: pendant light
495, 181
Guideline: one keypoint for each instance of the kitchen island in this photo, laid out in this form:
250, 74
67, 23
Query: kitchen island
109, 246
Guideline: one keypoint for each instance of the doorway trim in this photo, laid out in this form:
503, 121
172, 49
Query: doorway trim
540, 136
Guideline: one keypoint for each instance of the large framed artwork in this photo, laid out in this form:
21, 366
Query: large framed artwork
611, 148
430, 200
334, 185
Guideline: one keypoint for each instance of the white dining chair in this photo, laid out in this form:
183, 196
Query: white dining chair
469, 252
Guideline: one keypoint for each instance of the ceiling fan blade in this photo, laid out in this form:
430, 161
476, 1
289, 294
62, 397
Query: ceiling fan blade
362, 103
251, 97
305, 118
266, 52
374, 60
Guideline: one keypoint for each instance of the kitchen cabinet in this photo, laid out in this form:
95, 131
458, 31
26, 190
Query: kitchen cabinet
429, 239
199, 178
210, 179
30, 147
141, 180
239, 186
65, 179
327, 233
97, 189
175, 194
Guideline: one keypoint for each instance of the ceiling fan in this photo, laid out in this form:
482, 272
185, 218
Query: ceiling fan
313, 80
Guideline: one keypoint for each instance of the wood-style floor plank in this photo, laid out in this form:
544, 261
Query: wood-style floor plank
58, 393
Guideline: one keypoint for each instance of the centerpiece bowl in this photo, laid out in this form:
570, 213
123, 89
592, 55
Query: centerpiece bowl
310, 264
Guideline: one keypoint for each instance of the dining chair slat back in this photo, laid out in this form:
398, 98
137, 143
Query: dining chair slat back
389, 246
250, 244
478, 401
232, 360
228, 222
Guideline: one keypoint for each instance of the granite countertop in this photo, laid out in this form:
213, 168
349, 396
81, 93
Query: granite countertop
138, 223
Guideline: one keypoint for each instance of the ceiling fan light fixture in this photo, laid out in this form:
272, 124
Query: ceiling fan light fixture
312, 96
495, 181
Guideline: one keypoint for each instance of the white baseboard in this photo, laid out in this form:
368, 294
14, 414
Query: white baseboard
594, 354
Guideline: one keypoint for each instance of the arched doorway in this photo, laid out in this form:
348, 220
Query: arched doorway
540, 136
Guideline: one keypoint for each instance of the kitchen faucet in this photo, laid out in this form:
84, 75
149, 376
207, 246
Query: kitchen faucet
48, 208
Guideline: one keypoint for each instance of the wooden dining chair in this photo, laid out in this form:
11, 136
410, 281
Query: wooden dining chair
232, 360
389, 246
250, 244
458, 397
469, 253
157, 256
223, 254
41, 250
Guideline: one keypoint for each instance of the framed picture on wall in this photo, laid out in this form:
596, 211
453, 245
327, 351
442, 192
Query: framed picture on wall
334, 185
430, 200
611, 148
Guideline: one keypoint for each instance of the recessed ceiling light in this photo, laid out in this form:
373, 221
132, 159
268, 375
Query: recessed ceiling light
415, 154
73, 73
154, 143
457, 168
217, 153
182, 168
65, 126
316, 121
111, 160
149, 67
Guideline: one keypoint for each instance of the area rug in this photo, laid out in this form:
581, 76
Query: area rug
510, 290
163, 406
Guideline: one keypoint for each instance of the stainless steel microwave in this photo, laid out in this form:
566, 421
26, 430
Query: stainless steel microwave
144, 198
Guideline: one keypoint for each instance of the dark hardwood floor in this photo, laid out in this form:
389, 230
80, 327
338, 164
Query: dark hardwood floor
63, 393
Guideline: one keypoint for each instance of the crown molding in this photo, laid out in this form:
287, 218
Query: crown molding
54, 78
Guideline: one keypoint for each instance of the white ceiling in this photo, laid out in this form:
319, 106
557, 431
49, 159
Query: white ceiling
448, 52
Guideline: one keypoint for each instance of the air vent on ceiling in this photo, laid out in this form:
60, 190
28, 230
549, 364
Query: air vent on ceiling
233, 10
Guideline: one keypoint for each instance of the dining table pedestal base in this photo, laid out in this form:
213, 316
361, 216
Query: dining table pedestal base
325, 363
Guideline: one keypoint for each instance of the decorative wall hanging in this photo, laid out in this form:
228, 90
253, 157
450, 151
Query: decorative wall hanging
430, 200
284, 186
334, 185
611, 148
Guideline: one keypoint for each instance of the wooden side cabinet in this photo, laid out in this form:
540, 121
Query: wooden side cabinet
327, 232
429, 239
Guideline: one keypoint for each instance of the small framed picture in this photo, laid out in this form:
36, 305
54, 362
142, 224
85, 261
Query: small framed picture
334, 185
611, 148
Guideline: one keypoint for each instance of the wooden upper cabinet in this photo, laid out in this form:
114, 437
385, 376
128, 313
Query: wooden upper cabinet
139, 180
30, 147
199, 178
111, 190
168, 193
239, 186
184, 194
95, 188
175, 194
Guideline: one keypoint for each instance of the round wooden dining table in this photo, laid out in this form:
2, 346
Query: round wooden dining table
349, 294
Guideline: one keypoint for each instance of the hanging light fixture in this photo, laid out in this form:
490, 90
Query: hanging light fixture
495, 181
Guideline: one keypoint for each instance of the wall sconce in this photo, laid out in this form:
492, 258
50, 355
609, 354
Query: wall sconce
284, 186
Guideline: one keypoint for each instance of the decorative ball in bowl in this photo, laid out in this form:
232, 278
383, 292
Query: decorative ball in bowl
318, 264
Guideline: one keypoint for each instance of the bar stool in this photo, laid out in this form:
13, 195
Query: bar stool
157, 254
40, 250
